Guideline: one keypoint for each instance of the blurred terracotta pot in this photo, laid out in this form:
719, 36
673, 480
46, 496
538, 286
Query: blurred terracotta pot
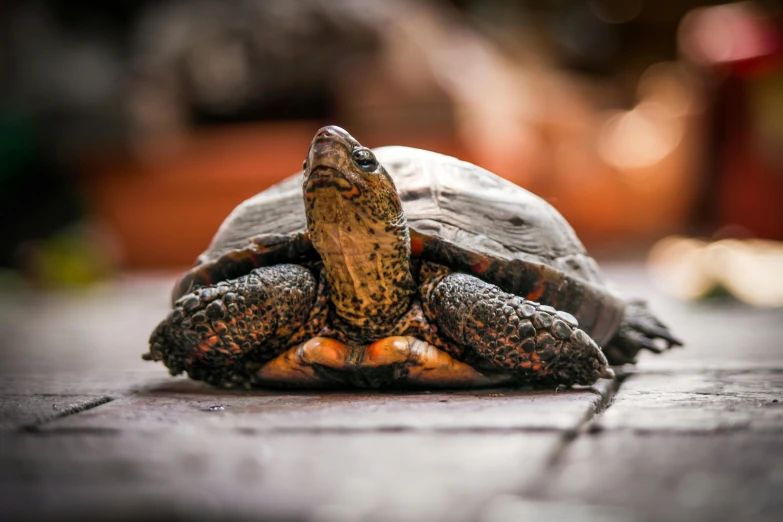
165, 205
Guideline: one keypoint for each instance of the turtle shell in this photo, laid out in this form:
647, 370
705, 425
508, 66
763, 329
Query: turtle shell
467, 218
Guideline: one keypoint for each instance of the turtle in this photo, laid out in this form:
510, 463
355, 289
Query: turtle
398, 266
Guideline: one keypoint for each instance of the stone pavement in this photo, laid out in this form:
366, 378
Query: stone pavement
88, 431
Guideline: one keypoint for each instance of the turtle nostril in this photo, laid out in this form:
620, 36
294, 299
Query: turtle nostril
333, 131
327, 137
327, 132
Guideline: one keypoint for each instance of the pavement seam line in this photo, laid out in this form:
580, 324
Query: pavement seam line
586, 422
71, 409
535, 488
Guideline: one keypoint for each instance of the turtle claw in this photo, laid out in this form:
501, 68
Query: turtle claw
639, 330
607, 374
655, 331
649, 344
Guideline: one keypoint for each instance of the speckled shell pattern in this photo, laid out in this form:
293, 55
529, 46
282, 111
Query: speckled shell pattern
481, 223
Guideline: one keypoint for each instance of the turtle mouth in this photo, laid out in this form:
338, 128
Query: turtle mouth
323, 176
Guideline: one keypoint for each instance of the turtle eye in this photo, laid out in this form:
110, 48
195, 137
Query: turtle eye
365, 160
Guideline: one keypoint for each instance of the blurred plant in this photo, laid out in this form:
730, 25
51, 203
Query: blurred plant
35, 195
74, 257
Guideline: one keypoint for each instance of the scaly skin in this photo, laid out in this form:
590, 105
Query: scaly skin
356, 223
509, 333
215, 331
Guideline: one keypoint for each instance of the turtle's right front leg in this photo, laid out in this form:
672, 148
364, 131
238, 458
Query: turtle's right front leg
215, 331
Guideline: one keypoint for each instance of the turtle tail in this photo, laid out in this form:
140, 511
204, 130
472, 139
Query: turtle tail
638, 330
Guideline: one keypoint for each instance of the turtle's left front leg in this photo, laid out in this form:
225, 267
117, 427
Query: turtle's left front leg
508, 332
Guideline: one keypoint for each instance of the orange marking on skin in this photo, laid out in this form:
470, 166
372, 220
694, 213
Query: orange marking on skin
417, 246
481, 266
525, 364
212, 341
536, 293
219, 327
536, 366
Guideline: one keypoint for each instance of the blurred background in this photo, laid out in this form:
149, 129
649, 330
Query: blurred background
129, 129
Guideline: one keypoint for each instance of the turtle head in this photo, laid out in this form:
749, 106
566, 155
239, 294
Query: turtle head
344, 182
356, 223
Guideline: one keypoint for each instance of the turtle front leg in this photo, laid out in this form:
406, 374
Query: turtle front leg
497, 329
220, 333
